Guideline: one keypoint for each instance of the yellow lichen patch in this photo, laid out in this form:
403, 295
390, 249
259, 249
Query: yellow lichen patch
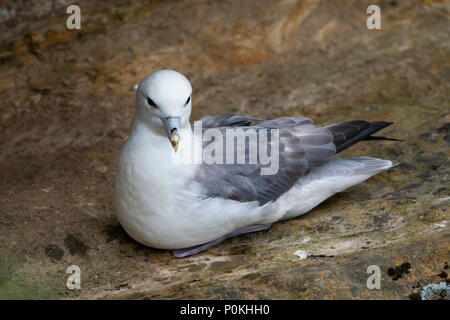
53, 36
236, 54
242, 30
243, 57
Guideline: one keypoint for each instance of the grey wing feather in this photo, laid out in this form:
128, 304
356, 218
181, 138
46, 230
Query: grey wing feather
227, 120
302, 146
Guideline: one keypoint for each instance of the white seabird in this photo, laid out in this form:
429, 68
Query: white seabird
189, 208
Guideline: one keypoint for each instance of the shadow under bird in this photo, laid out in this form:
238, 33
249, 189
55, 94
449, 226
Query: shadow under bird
167, 203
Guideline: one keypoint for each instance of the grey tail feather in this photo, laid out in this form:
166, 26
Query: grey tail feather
348, 133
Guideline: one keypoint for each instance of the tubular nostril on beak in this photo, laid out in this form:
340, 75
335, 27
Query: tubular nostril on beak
172, 127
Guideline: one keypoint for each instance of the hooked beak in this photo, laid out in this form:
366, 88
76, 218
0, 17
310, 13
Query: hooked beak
172, 127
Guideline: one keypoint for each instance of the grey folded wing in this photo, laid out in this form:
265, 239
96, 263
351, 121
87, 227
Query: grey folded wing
301, 147
226, 120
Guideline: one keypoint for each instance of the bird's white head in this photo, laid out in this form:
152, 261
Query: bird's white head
163, 101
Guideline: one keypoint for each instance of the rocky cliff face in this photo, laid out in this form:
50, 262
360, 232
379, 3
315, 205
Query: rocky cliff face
67, 103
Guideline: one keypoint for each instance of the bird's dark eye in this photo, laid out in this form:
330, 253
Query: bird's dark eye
187, 101
151, 103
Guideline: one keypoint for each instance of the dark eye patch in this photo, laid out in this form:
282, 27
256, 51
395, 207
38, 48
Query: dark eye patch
151, 103
187, 101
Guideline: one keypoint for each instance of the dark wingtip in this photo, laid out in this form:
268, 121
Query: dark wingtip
384, 138
356, 130
381, 124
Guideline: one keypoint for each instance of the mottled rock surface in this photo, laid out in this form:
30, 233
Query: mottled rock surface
67, 103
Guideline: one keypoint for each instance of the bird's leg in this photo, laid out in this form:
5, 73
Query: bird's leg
185, 252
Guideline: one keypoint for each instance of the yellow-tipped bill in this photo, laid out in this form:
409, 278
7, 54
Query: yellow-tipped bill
174, 140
